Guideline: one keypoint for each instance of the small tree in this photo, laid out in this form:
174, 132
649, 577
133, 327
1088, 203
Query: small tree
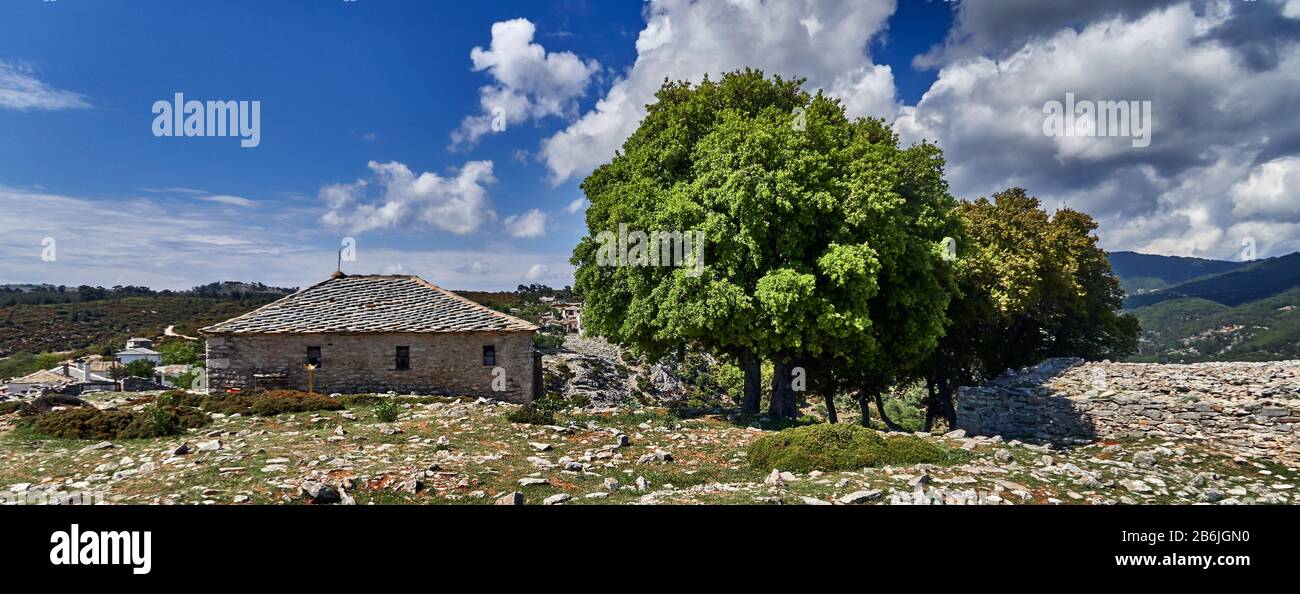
137, 368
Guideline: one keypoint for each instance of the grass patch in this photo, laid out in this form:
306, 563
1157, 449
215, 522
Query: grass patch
351, 400
843, 446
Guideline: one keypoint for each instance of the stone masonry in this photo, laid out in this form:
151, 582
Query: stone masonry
1249, 409
357, 325
440, 363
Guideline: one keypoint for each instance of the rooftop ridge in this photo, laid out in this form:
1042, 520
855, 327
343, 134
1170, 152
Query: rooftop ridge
371, 303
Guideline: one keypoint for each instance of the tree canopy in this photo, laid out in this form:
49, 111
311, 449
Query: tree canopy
821, 235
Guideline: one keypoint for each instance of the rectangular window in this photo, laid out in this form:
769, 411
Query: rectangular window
490, 356
403, 357
313, 355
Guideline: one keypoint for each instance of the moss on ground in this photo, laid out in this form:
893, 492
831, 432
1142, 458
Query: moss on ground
841, 446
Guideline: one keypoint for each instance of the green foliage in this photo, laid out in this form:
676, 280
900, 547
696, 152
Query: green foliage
388, 411
264, 403
21, 364
94, 326
179, 352
185, 381
1193, 330
138, 368
158, 419
821, 235
539, 412
844, 446
10, 407
548, 340
1032, 286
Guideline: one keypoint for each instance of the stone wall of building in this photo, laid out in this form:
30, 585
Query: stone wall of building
1252, 409
440, 363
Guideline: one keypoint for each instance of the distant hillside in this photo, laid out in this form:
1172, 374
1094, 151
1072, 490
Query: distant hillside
1140, 273
1192, 329
1252, 282
37, 319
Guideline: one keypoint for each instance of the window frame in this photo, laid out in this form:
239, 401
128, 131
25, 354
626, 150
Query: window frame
402, 358
490, 352
319, 359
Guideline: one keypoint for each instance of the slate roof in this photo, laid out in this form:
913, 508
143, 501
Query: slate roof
44, 377
370, 303
138, 351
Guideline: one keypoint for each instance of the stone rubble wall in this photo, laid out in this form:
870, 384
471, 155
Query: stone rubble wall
441, 363
1250, 409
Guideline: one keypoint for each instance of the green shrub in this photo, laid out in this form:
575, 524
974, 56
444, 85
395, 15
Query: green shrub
265, 403
843, 446
539, 412
156, 420
9, 407
388, 411
274, 402
548, 341
579, 400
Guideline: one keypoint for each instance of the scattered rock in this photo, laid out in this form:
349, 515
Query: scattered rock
857, 497
557, 499
320, 493
515, 498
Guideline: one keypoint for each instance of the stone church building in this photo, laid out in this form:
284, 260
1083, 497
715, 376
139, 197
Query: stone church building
373, 334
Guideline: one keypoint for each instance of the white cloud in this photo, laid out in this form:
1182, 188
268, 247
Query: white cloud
231, 200
530, 83
457, 204
531, 224
21, 90
203, 243
825, 41
577, 206
1218, 109
1271, 190
537, 272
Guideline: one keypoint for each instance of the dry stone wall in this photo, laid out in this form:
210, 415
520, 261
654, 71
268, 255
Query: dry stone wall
1250, 409
440, 363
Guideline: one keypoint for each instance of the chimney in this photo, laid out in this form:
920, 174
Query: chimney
85, 370
66, 373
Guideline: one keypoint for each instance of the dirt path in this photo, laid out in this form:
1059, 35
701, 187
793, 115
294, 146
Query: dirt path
170, 331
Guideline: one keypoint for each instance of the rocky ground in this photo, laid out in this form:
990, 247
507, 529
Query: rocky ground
600, 373
468, 452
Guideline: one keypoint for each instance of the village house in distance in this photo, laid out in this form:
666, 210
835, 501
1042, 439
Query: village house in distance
374, 334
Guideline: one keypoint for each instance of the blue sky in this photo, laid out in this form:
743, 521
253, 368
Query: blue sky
360, 101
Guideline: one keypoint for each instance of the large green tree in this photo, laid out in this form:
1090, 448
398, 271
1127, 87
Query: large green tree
821, 237
1031, 286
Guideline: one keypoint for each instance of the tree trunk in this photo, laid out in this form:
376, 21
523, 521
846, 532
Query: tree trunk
865, 407
945, 400
931, 404
880, 405
753, 383
830, 408
782, 405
